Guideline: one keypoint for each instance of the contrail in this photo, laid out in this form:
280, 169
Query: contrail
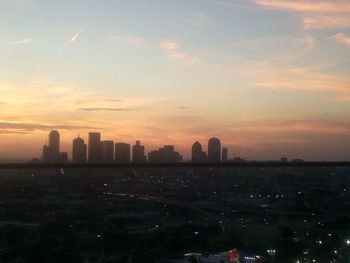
75, 37
17, 42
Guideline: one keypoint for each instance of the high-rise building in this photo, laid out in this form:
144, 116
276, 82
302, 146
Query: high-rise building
138, 153
224, 154
79, 150
197, 153
166, 154
51, 152
45, 156
107, 148
54, 142
94, 152
122, 152
214, 150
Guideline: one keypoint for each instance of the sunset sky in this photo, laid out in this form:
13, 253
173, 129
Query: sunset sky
268, 77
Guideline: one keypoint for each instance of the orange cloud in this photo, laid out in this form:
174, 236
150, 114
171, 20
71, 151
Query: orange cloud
342, 38
173, 51
315, 14
307, 6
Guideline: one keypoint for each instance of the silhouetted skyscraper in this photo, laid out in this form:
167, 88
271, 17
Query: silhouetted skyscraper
122, 152
224, 154
107, 151
79, 150
54, 142
197, 153
214, 150
138, 153
94, 153
51, 152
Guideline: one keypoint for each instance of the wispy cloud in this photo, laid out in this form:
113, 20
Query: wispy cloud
326, 21
174, 51
38, 126
76, 35
315, 14
128, 40
110, 109
19, 42
306, 6
305, 79
342, 38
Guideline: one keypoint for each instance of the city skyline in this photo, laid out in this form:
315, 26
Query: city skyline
270, 78
98, 150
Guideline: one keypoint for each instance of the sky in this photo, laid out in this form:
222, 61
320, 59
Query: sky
270, 78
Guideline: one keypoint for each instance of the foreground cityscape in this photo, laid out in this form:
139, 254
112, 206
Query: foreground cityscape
175, 215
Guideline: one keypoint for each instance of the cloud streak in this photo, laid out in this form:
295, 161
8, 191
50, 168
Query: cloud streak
38, 126
111, 109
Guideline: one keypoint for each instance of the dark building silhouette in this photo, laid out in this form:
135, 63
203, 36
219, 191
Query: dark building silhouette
214, 150
63, 157
94, 153
54, 142
165, 154
224, 154
122, 152
197, 153
107, 151
51, 152
79, 150
138, 153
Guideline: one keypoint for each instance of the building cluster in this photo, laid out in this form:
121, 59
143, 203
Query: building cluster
106, 151
214, 152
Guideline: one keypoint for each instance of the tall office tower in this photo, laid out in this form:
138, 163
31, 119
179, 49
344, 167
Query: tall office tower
122, 152
197, 153
94, 152
107, 151
45, 156
214, 150
138, 153
54, 143
79, 150
51, 152
224, 154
